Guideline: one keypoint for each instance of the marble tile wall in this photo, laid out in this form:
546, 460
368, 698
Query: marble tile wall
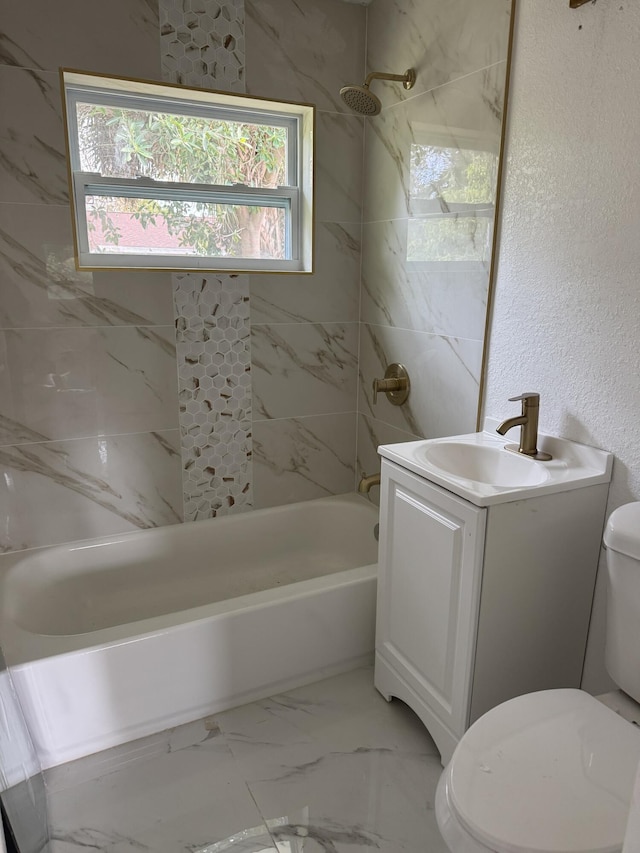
89, 440
98, 423
305, 329
423, 297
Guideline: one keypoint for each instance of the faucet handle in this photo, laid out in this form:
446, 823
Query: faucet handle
395, 384
529, 398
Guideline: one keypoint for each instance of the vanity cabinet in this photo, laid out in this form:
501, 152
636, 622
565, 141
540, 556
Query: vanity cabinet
478, 604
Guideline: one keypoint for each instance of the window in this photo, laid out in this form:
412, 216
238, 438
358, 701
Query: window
175, 178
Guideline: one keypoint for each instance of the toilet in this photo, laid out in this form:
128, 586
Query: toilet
553, 772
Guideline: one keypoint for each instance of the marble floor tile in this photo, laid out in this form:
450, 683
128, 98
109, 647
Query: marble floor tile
186, 794
327, 768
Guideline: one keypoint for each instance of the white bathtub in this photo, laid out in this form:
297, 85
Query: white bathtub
116, 638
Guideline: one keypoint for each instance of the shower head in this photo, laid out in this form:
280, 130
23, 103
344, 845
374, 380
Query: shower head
361, 99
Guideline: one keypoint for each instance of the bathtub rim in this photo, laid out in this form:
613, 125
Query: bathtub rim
22, 647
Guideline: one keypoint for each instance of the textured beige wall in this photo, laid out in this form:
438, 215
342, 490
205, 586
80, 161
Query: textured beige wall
566, 318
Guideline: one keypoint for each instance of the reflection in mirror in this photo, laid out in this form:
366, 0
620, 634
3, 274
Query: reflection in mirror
431, 173
22, 791
452, 196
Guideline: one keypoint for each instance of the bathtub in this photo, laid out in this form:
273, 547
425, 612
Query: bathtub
113, 639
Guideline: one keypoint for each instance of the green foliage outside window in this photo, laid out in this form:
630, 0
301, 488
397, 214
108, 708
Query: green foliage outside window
128, 143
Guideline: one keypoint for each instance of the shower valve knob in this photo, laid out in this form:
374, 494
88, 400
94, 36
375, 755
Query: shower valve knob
395, 385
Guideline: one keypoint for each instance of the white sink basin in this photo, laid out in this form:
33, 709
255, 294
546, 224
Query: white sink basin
477, 466
494, 466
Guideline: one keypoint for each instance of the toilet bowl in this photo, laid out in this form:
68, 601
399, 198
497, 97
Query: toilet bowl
553, 772
550, 771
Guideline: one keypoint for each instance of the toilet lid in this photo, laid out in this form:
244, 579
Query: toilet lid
550, 771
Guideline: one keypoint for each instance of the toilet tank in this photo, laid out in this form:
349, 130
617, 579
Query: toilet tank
622, 655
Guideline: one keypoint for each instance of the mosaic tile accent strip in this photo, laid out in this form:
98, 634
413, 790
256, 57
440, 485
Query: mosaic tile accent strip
202, 44
214, 376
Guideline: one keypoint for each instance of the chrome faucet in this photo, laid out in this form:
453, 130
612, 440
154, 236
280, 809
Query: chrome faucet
366, 483
528, 420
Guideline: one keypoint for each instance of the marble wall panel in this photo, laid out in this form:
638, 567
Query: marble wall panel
119, 37
73, 382
442, 41
441, 298
88, 414
33, 161
464, 115
61, 491
304, 50
371, 434
41, 286
331, 294
304, 369
300, 459
444, 373
338, 164
427, 235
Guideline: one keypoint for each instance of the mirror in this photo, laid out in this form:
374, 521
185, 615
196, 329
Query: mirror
432, 166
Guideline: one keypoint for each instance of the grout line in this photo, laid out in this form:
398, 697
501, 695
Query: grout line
88, 327
309, 323
412, 435
99, 436
421, 217
304, 417
420, 332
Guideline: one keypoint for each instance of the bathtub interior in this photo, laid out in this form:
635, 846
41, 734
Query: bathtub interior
85, 587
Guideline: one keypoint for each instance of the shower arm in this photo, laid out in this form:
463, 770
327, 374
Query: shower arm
408, 78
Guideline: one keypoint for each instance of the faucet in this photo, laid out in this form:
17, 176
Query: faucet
528, 420
366, 483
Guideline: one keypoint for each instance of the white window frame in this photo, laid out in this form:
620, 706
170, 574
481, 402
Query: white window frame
296, 197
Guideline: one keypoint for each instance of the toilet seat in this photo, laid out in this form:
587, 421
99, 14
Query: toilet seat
548, 772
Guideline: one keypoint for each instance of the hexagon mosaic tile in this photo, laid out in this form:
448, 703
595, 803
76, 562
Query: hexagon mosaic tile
214, 382
202, 44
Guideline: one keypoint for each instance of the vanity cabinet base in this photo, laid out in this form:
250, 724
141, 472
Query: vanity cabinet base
477, 605
392, 685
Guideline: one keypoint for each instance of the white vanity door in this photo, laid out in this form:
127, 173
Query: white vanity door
431, 549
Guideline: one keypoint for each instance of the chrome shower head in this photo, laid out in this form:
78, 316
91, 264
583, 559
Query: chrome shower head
361, 99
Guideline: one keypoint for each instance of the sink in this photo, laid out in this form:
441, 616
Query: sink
494, 466
479, 468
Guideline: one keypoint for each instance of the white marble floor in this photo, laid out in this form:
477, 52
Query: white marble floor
327, 768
